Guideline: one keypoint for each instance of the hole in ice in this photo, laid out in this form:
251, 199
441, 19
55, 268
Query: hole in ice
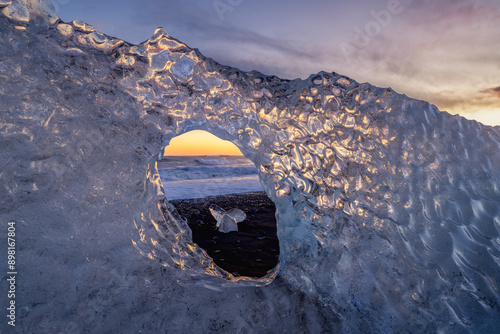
207, 178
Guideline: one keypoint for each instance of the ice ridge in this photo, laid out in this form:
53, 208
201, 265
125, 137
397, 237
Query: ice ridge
388, 210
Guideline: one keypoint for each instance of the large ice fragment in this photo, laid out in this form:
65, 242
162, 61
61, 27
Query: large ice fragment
227, 221
388, 210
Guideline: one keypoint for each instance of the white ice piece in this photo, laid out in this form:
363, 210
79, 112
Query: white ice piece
227, 221
237, 214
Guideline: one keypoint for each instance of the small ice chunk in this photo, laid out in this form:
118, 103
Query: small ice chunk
227, 221
227, 224
217, 212
237, 214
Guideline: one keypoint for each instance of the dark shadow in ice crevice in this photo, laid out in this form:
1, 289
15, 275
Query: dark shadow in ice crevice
230, 182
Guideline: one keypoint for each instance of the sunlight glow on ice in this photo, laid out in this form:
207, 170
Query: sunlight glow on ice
388, 210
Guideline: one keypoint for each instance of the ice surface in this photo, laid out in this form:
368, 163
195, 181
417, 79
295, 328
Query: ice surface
388, 210
237, 214
227, 221
217, 212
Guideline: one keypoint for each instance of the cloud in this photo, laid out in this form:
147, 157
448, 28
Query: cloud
495, 91
482, 105
441, 52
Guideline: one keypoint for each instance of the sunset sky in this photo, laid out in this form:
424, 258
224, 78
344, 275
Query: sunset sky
445, 52
200, 143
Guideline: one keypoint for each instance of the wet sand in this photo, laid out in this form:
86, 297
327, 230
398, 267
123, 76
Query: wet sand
253, 250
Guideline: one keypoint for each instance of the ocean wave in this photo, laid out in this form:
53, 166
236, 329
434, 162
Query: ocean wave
199, 173
184, 189
212, 160
217, 161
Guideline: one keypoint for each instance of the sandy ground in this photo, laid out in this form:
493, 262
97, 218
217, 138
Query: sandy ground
253, 250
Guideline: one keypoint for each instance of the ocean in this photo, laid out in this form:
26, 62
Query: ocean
185, 177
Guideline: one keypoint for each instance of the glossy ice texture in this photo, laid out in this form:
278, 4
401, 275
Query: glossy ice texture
388, 210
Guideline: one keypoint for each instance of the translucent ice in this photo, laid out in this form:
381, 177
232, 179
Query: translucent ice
388, 210
227, 221
237, 214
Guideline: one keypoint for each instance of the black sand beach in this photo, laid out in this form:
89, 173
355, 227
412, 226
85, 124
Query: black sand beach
253, 250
